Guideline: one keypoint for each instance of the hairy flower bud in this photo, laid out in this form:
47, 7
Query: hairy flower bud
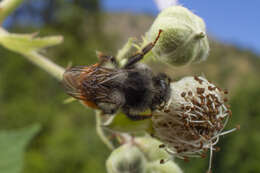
126, 158
151, 148
193, 118
169, 167
183, 39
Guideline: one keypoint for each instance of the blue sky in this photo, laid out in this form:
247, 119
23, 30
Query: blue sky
231, 21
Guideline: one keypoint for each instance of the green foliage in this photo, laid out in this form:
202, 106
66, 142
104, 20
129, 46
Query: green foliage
12, 148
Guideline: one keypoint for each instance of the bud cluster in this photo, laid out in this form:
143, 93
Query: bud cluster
135, 156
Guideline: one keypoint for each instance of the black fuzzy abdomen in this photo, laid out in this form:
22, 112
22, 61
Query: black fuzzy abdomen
138, 91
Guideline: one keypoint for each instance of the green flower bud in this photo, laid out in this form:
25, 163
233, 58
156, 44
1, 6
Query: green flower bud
183, 39
169, 167
152, 149
125, 159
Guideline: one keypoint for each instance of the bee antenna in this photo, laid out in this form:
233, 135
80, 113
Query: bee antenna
158, 36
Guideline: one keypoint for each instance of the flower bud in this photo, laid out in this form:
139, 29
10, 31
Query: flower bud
126, 158
151, 148
169, 167
183, 39
193, 118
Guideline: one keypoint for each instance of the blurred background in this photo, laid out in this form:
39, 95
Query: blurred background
68, 142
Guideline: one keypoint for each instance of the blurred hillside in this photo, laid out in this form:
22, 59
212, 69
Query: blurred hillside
68, 141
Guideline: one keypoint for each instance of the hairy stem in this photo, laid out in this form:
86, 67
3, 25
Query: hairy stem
101, 133
45, 64
7, 7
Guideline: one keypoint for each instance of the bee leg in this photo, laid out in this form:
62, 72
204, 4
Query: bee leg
138, 56
108, 108
132, 60
107, 111
114, 61
105, 58
113, 104
138, 117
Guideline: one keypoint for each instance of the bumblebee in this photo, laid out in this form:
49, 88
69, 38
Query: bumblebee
133, 88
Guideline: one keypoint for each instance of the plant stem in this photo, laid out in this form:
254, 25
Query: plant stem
101, 133
7, 7
45, 64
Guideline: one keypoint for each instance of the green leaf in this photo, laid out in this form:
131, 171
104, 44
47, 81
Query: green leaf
122, 123
26, 43
12, 147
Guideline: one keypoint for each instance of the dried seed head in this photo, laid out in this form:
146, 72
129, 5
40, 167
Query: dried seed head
183, 39
194, 121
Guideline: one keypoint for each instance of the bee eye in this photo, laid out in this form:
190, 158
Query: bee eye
169, 80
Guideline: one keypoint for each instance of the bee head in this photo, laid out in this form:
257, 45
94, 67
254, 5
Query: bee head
162, 80
162, 88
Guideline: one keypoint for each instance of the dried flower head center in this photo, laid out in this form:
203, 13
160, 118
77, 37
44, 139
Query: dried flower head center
193, 119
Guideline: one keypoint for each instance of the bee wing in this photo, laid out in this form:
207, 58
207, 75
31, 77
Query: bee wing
102, 83
72, 81
91, 82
